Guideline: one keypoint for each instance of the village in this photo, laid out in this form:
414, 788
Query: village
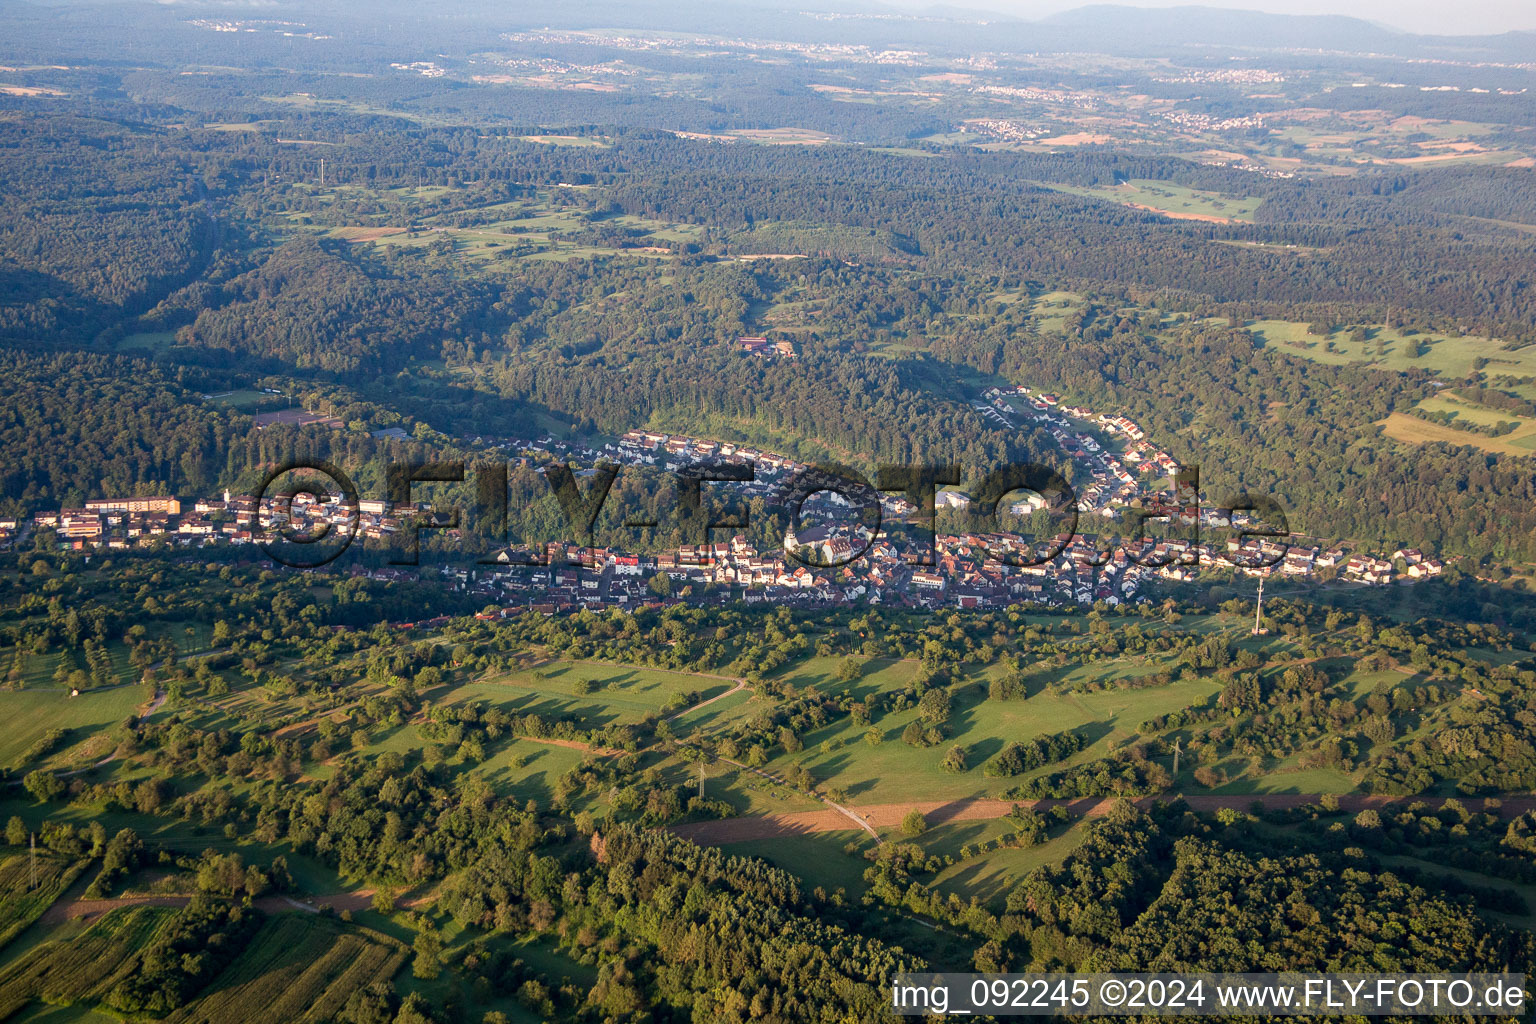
830, 563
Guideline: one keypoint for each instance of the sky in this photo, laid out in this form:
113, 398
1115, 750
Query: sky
1435, 17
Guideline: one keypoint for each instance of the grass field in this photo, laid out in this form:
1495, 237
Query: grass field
152, 340
989, 877
1173, 200
31, 713
596, 692
245, 400
1052, 309
1446, 355
521, 229
818, 859
894, 771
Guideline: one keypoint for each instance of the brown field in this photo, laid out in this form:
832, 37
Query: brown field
1077, 139
1460, 147
298, 417
783, 136
30, 90
1412, 430
361, 234
547, 82
1208, 218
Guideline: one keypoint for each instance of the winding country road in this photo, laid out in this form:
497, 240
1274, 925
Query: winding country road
875, 816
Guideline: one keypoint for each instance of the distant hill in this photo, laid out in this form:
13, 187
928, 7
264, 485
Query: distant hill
1118, 27
55, 27
1180, 26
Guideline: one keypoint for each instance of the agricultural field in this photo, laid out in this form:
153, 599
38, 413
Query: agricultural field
29, 885
296, 968
1412, 430
1358, 137
783, 136
83, 967
576, 141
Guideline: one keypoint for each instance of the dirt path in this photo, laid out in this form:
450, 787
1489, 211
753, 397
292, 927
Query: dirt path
65, 910
741, 684
575, 745
873, 816
357, 900
155, 704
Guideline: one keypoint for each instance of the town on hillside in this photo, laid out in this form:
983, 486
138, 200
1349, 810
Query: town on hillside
827, 564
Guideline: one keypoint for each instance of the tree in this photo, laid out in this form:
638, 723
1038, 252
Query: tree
660, 585
934, 706
43, 785
429, 955
954, 761
372, 1005
1008, 686
16, 831
414, 1010
914, 824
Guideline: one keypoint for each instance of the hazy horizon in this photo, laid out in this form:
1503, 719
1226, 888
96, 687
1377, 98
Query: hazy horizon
1425, 17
